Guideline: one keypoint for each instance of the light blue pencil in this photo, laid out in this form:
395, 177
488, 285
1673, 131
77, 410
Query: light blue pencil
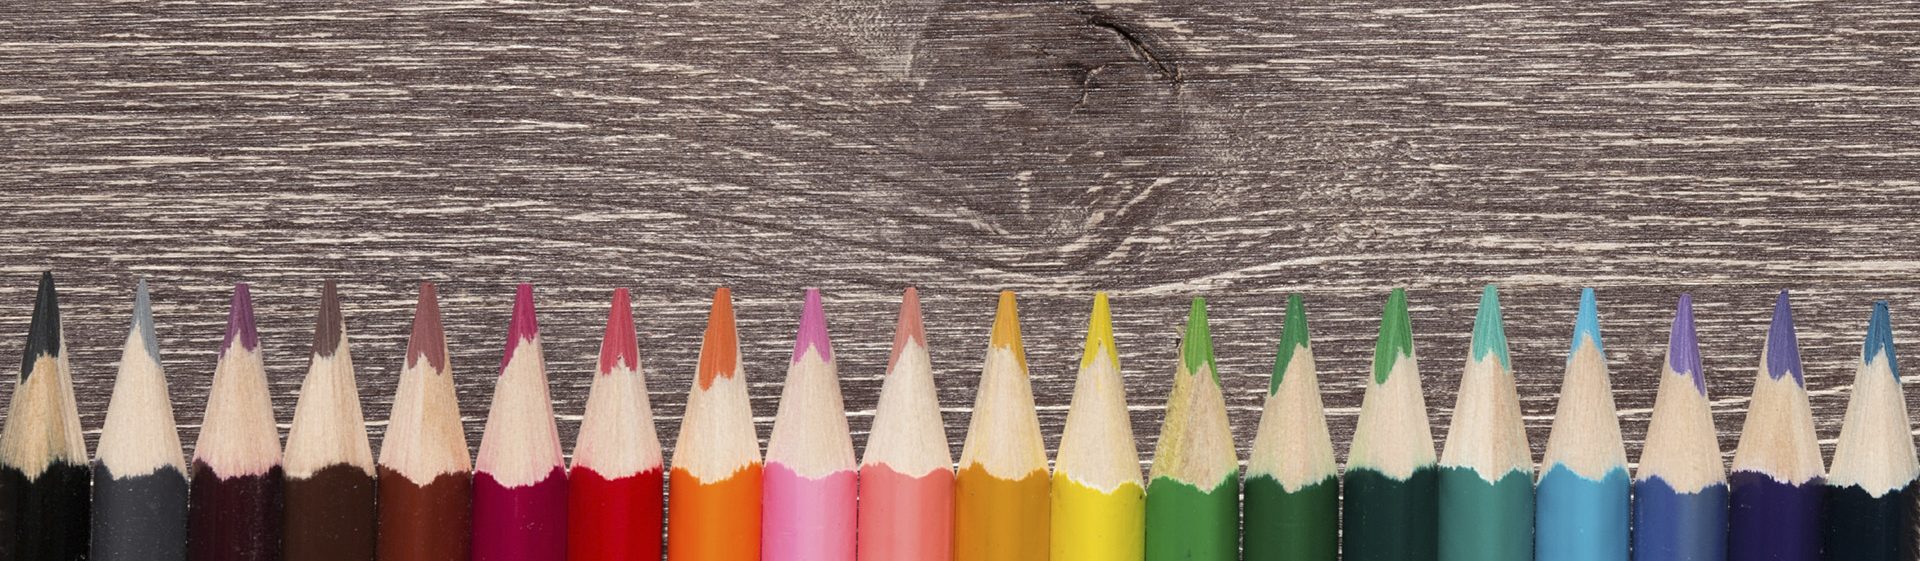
1581, 505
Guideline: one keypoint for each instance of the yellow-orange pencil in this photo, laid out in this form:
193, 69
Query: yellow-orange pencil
1099, 503
1000, 495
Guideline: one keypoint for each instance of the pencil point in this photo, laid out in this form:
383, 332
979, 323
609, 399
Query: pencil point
1880, 339
1006, 327
523, 326
813, 329
43, 334
427, 341
1293, 336
619, 345
240, 326
1783, 346
1196, 348
1683, 346
330, 328
1586, 324
1396, 336
1489, 335
143, 319
1100, 333
908, 328
720, 345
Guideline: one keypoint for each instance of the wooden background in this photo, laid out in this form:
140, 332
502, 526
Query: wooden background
1156, 149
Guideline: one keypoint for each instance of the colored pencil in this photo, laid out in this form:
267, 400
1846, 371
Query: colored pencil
614, 489
234, 494
1871, 495
1193, 494
1486, 469
906, 477
140, 475
329, 494
1099, 500
1775, 490
1000, 503
1293, 484
809, 491
425, 471
1390, 488
714, 488
43, 459
519, 478
1680, 492
1582, 496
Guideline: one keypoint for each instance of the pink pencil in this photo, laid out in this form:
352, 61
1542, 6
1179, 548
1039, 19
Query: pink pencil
808, 491
906, 479
519, 482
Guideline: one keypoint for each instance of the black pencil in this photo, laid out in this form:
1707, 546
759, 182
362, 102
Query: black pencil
140, 476
43, 459
234, 507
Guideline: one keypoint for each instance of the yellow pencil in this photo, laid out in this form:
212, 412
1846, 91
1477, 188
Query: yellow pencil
1099, 505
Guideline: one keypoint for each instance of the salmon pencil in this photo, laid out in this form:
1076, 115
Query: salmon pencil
140, 475
1000, 503
1582, 497
1871, 490
1775, 491
1193, 494
425, 471
809, 490
906, 478
1099, 500
614, 489
43, 458
520, 480
234, 499
1293, 484
714, 488
1390, 489
1486, 469
1680, 492
329, 494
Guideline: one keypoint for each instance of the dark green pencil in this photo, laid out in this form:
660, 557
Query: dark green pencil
1391, 483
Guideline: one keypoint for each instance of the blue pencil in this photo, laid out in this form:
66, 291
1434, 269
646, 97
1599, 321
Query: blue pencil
1581, 504
1777, 489
1681, 489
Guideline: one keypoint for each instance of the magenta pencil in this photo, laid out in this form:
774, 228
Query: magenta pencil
808, 492
520, 481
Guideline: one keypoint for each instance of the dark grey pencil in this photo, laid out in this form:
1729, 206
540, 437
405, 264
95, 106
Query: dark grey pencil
139, 477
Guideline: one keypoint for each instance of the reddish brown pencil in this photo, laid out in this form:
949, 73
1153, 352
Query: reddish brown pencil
425, 471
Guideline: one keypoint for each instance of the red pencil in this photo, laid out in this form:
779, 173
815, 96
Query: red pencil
614, 501
520, 481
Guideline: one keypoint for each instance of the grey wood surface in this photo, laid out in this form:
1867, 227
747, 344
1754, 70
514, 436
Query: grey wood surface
1156, 149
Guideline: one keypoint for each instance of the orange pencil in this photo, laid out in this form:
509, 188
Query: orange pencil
1001, 493
713, 503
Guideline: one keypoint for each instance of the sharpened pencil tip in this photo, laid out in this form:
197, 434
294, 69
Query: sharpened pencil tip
1196, 348
43, 333
813, 329
908, 327
620, 345
1100, 334
240, 327
1006, 328
1396, 336
329, 329
1293, 337
1783, 345
1489, 332
1586, 324
720, 345
1683, 345
143, 320
1879, 345
523, 326
428, 340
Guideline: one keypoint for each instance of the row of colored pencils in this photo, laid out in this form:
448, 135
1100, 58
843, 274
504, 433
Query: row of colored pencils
328, 498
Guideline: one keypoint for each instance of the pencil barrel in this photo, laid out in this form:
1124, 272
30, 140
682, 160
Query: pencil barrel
234, 518
1772, 521
1580, 519
807, 519
1862, 527
526, 523
424, 522
717, 521
139, 518
1302, 525
1484, 520
1185, 523
998, 519
1387, 519
613, 519
906, 518
45, 517
330, 516
1676, 526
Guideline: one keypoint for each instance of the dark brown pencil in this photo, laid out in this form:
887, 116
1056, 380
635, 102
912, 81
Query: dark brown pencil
43, 459
330, 492
234, 500
425, 469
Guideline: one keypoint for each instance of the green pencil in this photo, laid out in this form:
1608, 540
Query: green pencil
1391, 484
1293, 485
1193, 497
1486, 470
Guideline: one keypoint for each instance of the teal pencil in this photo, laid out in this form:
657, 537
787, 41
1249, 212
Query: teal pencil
1486, 469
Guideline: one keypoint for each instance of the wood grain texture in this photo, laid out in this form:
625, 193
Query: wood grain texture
1156, 149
